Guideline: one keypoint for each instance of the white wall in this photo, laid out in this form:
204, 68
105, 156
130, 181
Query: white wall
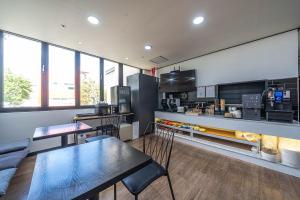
20, 125
271, 58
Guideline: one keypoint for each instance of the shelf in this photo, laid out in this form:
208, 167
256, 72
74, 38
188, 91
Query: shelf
219, 135
232, 148
226, 137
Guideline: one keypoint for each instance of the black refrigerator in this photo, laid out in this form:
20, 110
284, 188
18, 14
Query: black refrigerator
144, 98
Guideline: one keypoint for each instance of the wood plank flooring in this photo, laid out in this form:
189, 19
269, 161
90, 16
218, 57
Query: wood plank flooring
195, 174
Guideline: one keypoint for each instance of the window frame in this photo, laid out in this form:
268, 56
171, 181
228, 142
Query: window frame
45, 77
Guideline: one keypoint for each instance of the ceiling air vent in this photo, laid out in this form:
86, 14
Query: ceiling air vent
159, 60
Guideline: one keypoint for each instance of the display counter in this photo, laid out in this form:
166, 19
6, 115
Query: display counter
268, 144
261, 127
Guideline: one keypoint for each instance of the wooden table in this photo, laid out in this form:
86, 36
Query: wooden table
60, 130
82, 171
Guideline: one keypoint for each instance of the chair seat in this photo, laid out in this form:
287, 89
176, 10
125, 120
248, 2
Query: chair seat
139, 180
100, 137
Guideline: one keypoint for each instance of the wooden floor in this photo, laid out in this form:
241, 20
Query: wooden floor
195, 174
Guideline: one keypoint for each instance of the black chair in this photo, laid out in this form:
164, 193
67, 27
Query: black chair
158, 144
109, 127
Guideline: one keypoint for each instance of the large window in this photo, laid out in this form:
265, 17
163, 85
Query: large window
89, 80
127, 71
111, 78
35, 75
22, 72
61, 77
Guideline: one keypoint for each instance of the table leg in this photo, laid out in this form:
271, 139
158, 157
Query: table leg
96, 197
115, 191
64, 140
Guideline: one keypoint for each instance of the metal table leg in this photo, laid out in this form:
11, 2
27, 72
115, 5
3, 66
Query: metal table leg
64, 140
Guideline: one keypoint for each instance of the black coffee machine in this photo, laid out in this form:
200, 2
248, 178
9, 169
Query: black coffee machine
164, 104
279, 105
173, 104
170, 104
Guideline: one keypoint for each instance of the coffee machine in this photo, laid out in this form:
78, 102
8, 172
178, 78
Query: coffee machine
251, 106
279, 105
121, 97
173, 104
164, 104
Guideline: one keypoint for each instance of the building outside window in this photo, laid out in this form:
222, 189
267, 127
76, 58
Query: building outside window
89, 80
61, 77
22, 72
127, 71
111, 78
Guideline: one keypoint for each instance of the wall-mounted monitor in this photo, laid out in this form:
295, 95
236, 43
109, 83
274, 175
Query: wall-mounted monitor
178, 81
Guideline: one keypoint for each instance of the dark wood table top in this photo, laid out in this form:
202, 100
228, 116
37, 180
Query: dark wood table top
60, 130
79, 172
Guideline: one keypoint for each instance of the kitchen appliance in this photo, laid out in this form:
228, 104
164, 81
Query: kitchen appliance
114, 109
173, 104
120, 96
178, 81
102, 108
144, 100
251, 106
279, 105
181, 109
164, 104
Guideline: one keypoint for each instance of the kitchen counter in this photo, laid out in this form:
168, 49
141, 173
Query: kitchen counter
287, 130
207, 141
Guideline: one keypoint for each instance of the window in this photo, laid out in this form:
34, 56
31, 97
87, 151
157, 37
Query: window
61, 77
111, 78
127, 71
89, 80
22, 72
28, 85
147, 72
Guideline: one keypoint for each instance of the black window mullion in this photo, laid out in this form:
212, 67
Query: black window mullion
45, 76
120, 74
101, 79
1, 70
77, 78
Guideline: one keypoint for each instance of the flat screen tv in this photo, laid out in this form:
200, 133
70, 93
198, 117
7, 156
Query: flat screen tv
178, 81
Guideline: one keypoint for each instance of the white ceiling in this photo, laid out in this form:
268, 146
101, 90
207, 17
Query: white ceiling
126, 25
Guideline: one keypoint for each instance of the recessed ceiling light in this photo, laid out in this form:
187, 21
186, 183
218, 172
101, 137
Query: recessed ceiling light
148, 47
126, 58
198, 20
80, 43
93, 20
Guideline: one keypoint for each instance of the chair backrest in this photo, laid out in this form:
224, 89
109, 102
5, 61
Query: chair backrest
159, 143
109, 125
